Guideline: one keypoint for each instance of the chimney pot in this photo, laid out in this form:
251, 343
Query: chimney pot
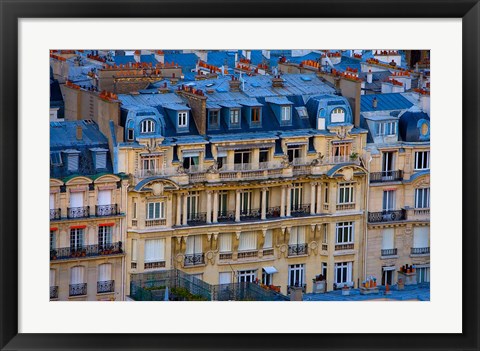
374, 102
79, 133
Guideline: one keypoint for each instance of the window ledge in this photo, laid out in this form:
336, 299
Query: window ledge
388, 257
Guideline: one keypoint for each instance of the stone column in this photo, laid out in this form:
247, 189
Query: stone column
237, 206
179, 209
319, 198
289, 200
209, 206
312, 198
215, 206
264, 203
185, 214
282, 203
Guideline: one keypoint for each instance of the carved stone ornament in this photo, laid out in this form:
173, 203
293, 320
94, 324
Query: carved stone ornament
180, 258
157, 189
210, 256
213, 168
181, 170
347, 174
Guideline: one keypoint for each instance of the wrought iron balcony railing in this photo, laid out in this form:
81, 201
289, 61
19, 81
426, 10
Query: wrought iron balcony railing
297, 249
252, 213
226, 216
386, 176
55, 213
65, 253
78, 212
54, 292
389, 252
78, 289
273, 212
195, 218
386, 216
420, 250
194, 259
105, 286
300, 210
106, 210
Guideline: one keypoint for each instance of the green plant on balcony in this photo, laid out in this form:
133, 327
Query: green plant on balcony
354, 156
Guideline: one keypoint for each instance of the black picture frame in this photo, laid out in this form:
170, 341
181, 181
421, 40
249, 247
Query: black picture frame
11, 11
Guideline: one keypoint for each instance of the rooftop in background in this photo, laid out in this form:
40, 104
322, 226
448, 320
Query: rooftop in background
385, 102
64, 134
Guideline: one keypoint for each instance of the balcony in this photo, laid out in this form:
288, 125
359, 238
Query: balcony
300, 210
386, 176
297, 249
419, 214
250, 170
268, 252
420, 251
154, 222
386, 216
152, 265
106, 286
253, 213
340, 159
54, 292
194, 260
78, 212
146, 173
389, 252
247, 254
344, 207
225, 256
77, 289
273, 212
197, 218
66, 253
226, 216
106, 210
55, 214
342, 247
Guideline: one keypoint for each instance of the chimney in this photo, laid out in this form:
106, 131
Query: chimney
79, 133
248, 54
160, 56
369, 76
374, 102
277, 82
234, 84
136, 56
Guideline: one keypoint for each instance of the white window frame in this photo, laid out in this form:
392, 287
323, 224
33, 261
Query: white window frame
346, 193
296, 272
387, 128
234, 117
105, 235
344, 232
389, 195
422, 158
193, 203
158, 207
147, 126
247, 275
345, 269
338, 115
77, 238
422, 198
286, 113
182, 119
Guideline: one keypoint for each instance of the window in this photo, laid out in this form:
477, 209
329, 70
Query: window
191, 159
343, 272
422, 160
235, 118
268, 240
194, 244
150, 163
147, 126
154, 250
420, 237
387, 164
266, 278
286, 113
386, 128
297, 236
325, 199
52, 201
324, 270
345, 193
100, 159
213, 118
422, 198
55, 158
264, 155
325, 234
76, 199
245, 202
77, 275
296, 275
255, 117
388, 235
247, 276
53, 240
134, 212
389, 200
225, 242
296, 196
248, 241
72, 162
341, 150
387, 276
344, 232
52, 277
222, 202
104, 236
182, 119
423, 274
242, 160
134, 250
156, 210
338, 115
294, 152
104, 197
130, 134
76, 239
192, 205
302, 111
105, 272
224, 278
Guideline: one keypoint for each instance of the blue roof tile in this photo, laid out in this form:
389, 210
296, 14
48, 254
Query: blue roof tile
385, 102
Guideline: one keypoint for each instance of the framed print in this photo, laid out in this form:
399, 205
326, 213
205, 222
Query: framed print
244, 175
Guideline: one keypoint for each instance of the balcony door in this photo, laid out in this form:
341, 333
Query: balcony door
387, 276
296, 275
294, 152
76, 239
222, 202
341, 151
247, 276
245, 202
192, 205
104, 237
296, 197
242, 160
388, 200
194, 245
388, 165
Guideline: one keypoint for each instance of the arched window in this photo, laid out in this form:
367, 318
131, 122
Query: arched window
338, 115
148, 126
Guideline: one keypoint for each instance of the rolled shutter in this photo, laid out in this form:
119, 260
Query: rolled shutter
420, 237
268, 242
388, 239
248, 241
104, 272
225, 244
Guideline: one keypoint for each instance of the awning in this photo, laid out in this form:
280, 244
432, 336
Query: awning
297, 143
270, 270
190, 153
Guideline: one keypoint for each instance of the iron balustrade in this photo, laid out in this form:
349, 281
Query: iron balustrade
55, 213
226, 216
106, 286
54, 292
386, 176
77, 289
297, 249
252, 213
151, 265
106, 210
300, 210
273, 212
267, 252
195, 218
78, 212
340, 247
64, 253
386, 216
389, 252
194, 259
420, 250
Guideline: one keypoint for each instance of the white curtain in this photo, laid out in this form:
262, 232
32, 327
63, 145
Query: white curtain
248, 241
52, 277
104, 197
225, 242
104, 272
388, 239
76, 199
268, 242
77, 275
134, 249
297, 235
154, 250
420, 237
194, 244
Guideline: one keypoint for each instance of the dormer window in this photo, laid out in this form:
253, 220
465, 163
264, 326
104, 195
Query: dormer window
183, 119
72, 160
213, 119
55, 158
302, 112
255, 119
100, 158
387, 128
130, 131
148, 126
235, 118
338, 115
286, 115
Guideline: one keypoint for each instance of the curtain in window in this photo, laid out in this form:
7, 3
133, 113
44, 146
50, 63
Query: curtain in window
104, 272
225, 244
268, 242
77, 275
76, 199
248, 241
388, 239
297, 235
154, 250
104, 197
420, 237
52, 277
194, 244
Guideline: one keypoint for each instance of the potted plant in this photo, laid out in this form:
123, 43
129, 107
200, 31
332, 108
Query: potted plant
353, 156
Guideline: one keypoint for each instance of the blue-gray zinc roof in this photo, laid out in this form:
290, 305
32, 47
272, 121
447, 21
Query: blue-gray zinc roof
385, 102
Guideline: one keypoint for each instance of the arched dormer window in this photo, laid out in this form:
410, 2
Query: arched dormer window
147, 126
338, 115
